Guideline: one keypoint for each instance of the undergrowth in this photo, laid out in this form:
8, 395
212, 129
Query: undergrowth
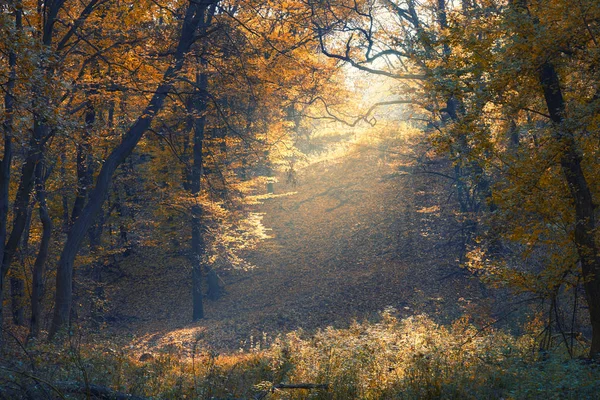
413, 358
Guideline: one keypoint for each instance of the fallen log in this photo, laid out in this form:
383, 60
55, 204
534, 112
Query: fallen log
301, 386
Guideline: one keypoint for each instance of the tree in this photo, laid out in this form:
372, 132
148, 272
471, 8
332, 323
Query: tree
8, 128
192, 22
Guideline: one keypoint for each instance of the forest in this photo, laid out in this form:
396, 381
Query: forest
299, 199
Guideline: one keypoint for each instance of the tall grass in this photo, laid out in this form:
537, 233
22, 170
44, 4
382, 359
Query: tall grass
413, 358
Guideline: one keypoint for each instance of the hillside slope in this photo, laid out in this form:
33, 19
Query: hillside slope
356, 235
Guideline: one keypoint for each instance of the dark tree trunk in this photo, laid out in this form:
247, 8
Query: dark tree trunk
5, 164
199, 105
94, 238
37, 286
95, 231
21, 215
197, 262
585, 219
443, 21
62, 309
17, 280
195, 184
212, 280
84, 174
17, 299
84, 182
66, 221
123, 213
39, 136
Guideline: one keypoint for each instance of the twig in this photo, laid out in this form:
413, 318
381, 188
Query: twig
302, 386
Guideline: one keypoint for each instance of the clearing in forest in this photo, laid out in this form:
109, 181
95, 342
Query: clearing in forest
362, 230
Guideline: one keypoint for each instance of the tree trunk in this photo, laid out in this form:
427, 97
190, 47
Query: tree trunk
123, 213
17, 298
199, 105
197, 262
21, 211
18, 278
198, 245
94, 238
84, 174
5, 164
66, 220
62, 308
39, 135
37, 290
212, 281
585, 219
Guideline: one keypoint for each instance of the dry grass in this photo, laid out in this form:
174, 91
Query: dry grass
413, 358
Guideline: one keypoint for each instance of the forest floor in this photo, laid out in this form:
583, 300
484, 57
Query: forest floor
360, 232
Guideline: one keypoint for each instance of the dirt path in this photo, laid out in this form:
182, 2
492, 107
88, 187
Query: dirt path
359, 235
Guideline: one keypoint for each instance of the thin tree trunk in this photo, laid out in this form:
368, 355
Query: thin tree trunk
62, 307
17, 299
84, 180
247, 133
212, 281
37, 290
18, 279
123, 213
66, 221
94, 238
84, 175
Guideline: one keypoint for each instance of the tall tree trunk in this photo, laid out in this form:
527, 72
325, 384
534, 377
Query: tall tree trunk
199, 104
198, 245
37, 290
21, 208
84, 178
39, 136
5, 164
585, 219
193, 19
